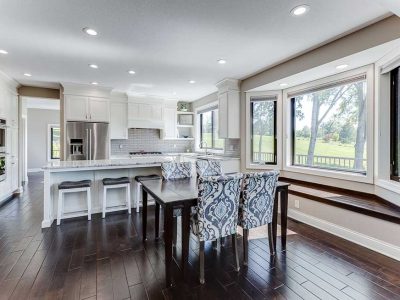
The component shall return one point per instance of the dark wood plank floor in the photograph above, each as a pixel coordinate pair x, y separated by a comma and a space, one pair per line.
105, 259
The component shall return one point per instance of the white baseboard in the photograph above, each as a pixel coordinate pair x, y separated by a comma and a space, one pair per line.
35, 170
350, 235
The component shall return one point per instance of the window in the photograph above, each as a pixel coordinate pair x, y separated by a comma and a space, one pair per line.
54, 142
329, 127
263, 130
209, 130
395, 125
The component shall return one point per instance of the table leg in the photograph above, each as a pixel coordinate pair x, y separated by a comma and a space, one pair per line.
157, 220
185, 238
168, 228
144, 214
284, 213
275, 219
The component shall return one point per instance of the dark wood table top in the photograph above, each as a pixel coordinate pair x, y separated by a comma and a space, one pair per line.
179, 190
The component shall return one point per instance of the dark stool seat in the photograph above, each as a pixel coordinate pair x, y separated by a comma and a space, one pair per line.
115, 181
74, 184
147, 177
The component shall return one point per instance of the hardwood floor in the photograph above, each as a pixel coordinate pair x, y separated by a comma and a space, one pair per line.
106, 259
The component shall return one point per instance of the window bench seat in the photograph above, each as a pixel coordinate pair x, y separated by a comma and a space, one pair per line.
359, 202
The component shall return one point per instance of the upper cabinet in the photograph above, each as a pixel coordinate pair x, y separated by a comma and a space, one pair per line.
170, 131
228, 109
81, 108
118, 120
145, 113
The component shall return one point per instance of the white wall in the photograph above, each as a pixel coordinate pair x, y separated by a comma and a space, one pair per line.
38, 121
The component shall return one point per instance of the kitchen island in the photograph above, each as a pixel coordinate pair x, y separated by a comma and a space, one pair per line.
95, 170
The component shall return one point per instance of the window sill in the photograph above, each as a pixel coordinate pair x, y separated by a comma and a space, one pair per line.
389, 185
262, 167
330, 174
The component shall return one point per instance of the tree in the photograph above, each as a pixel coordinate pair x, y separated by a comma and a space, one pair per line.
263, 120
361, 127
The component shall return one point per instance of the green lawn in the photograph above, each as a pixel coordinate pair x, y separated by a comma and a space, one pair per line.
322, 148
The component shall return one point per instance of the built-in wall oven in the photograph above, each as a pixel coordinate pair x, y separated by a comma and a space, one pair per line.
3, 137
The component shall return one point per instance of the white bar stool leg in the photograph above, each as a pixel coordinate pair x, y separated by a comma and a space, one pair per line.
138, 196
89, 203
128, 197
59, 207
104, 201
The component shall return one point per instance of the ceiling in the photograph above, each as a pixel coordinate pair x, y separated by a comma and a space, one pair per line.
167, 43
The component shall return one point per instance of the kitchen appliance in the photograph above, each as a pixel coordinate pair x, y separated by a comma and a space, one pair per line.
3, 165
3, 135
145, 153
87, 141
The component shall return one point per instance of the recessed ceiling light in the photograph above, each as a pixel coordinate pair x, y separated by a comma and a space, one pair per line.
93, 66
283, 84
221, 61
27, 74
341, 67
3, 51
131, 72
300, 10
95, 83
192, 81
90, 31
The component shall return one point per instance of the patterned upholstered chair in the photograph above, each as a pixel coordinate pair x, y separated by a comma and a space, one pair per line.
216, 213
208, 167
256, 207
174, 170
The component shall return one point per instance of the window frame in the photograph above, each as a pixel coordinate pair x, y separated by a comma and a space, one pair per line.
394, 105
50, 142
278, 130
288, 142
213, 107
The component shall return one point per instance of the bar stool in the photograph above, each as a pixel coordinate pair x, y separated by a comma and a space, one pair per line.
138, 180
116, 183
73, 187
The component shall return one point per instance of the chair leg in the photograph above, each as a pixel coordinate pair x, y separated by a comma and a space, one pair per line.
245, 246
104, 202
222, 242
201, 261
59, 208
271, 239
235, 252
128, 197
215, 244
138, 196
89, 204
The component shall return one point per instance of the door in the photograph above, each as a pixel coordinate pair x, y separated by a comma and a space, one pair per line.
98, 141
170, 123
77, 141
118, 121
76, 108
98, 110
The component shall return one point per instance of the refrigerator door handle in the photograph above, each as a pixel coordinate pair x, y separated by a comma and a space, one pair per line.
87, 144
90, 141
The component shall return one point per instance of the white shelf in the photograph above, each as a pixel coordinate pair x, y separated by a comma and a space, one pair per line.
185, 113
185, 126
185, 139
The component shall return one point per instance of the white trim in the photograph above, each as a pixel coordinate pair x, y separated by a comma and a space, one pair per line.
249, 164
369, 178
350, 235
48, 138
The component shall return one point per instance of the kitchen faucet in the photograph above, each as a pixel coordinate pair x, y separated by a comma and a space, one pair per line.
202, 143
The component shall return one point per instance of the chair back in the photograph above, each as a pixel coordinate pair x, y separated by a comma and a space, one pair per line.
208, 167
217, 206
258, 199
174, 170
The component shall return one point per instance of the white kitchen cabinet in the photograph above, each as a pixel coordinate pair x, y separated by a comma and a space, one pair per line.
170, 131
14, 159
228, 109
118, 121
98, 110
81, 108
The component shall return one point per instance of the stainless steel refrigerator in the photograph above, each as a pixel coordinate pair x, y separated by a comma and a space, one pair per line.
87, 141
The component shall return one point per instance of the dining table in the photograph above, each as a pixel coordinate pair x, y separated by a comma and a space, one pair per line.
182, 194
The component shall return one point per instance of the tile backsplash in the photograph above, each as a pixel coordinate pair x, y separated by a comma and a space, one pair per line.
148, 140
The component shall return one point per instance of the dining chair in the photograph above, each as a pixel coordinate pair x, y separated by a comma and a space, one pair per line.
208, 167
256, 207
172, 171
216, 213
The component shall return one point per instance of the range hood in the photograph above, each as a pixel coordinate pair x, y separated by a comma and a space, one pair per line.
146, 124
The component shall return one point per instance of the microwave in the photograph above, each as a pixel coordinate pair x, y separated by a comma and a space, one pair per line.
3, 135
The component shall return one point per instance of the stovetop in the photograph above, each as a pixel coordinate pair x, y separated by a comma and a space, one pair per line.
144, 153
